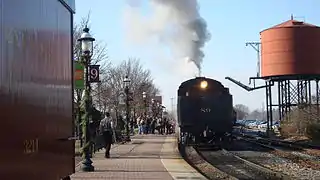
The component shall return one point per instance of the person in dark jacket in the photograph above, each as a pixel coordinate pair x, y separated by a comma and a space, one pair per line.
144, 126
106, 128
153, 125
148, 125
161, 126
168, 127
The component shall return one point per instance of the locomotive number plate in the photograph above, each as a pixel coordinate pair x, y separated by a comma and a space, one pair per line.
205, 110
31, 146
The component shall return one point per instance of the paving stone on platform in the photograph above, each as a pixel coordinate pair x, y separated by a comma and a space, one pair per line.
137, 160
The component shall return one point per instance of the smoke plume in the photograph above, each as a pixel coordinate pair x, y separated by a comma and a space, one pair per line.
175, 23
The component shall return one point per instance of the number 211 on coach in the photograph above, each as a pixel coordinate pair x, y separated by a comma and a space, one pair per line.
31, 146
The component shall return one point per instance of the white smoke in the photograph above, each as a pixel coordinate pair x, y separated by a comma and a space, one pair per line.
175, 23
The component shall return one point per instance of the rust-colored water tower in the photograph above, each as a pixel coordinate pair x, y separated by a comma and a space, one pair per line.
290, 58
290, 49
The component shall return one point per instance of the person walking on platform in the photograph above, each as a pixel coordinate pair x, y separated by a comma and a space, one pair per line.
168, 126
153, 125
161, 126
165, 130
139, 125
106, 128
148, 125
143, 126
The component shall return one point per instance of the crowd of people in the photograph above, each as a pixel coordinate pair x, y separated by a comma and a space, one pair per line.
150, 125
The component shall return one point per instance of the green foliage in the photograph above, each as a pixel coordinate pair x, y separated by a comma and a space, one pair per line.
93, 114
96, 115
86, 104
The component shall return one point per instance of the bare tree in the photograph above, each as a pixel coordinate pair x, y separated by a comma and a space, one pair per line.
172, 116
302, 121
113, 86
242, 111
255, 114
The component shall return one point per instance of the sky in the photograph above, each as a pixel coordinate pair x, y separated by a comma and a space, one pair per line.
231, 24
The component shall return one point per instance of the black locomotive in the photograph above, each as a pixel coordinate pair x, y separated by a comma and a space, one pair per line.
205, 112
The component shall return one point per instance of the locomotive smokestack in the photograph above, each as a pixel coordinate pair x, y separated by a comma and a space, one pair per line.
176, 23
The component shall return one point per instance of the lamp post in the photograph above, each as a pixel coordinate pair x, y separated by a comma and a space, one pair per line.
153, 108
86, 42
158, 109
144, 96
126, 82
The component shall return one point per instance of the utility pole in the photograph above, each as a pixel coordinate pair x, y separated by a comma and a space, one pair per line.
256, 46
99, 96
263, 112
128, 112
172, 106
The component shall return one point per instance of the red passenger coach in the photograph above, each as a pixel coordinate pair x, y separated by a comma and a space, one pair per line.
36, 89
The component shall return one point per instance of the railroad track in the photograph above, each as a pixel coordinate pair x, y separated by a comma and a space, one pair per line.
238, 168
277, 142
309, 151
230, 163
216, 163
246, 163
288, 151
272, 145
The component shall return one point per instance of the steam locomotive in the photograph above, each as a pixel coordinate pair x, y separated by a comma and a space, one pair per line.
205, 112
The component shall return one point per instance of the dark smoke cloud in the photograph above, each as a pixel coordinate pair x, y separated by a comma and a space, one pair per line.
176, 23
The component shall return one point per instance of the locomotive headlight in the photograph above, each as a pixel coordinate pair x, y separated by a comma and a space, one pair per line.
203, 84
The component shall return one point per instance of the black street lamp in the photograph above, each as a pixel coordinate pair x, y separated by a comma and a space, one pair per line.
86, 42
144, 96
163, 109
158, 109
126, 82
153, 107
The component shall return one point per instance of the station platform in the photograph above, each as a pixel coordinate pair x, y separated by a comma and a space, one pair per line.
145, 157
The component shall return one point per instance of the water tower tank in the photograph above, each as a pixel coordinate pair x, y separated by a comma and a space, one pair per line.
290, 49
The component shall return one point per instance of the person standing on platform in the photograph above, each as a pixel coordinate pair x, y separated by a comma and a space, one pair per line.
161, 126
153, 125
106, 128
148, 125
144, 126
139, 126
